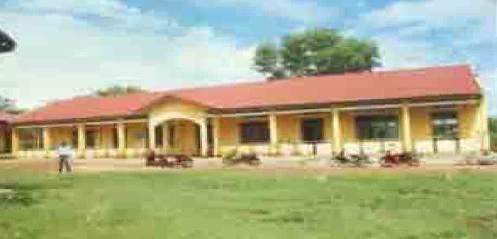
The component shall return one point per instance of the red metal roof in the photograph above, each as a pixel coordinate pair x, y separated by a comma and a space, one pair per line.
6, 118
351, 87
90, 107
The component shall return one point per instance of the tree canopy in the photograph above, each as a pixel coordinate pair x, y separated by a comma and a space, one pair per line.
492, 126
8, 105
315, 52
6, 43
116, 90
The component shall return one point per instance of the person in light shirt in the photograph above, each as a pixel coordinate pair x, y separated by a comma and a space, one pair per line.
65, 153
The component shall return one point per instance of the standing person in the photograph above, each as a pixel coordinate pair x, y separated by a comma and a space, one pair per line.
64, 152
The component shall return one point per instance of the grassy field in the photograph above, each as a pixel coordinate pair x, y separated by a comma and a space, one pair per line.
248, 204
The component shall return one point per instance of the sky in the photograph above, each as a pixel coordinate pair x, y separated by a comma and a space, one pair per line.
73, 47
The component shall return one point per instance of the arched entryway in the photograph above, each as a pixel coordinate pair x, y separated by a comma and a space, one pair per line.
179, 136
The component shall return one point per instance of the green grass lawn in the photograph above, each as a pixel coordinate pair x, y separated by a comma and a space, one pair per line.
236, 204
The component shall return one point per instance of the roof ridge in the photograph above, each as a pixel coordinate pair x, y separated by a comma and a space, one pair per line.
265, 81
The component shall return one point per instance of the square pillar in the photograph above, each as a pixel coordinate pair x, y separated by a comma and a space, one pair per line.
336, 131
121, 138
406, 129
215, 135
484, 132
15, 141
273, 129
47, 140
81, 139
151, 136
204, 141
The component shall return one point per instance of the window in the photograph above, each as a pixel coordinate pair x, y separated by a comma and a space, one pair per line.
377, 127
115, 138
445, 125
312, 130
158, 136
172, 134
254, 132
31, 139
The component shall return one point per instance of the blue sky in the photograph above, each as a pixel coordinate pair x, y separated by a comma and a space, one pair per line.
69, 47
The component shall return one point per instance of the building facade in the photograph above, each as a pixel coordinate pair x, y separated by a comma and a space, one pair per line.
430, 110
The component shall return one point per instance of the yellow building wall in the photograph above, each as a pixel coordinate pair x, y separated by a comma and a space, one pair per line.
61, 134
469, 123
176, 109
421, 124
136, 135
288, 127
186, 137
347, 124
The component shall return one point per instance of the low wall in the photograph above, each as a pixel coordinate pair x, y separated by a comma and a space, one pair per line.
285, 149
373, 147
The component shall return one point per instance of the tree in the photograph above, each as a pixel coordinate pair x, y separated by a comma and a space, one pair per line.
7, 104
492, 127
117, 90
315, 52
6, 43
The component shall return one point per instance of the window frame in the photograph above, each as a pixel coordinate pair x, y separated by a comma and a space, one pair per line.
262, 125
35, 140
445, 124
370, 120
310, 121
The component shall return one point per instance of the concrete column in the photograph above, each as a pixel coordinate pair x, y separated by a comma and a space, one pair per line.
215, 135
336, 131
47, 140
406, 128
81, 138
151, 136
273, 129
15, 141
204, 142
484, 132
121, 138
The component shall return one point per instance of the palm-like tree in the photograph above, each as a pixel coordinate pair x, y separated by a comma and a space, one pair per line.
6, 42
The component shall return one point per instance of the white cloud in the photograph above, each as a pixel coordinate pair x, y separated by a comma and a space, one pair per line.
489, 81
61, 54
302, 11
408, 29
433, 32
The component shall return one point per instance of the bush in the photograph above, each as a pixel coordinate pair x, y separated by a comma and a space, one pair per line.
493, 142
492, 126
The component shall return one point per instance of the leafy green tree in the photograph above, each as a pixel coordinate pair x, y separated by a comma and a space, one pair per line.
492, 126
7, 104
6, 42
118, 90
315, 52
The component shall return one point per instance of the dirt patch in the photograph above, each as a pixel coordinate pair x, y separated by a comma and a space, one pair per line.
102, 165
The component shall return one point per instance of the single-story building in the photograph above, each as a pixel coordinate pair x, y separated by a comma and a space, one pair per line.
6, 119
429, 110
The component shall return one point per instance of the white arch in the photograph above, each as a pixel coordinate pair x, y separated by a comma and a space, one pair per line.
159, 119
198, 119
